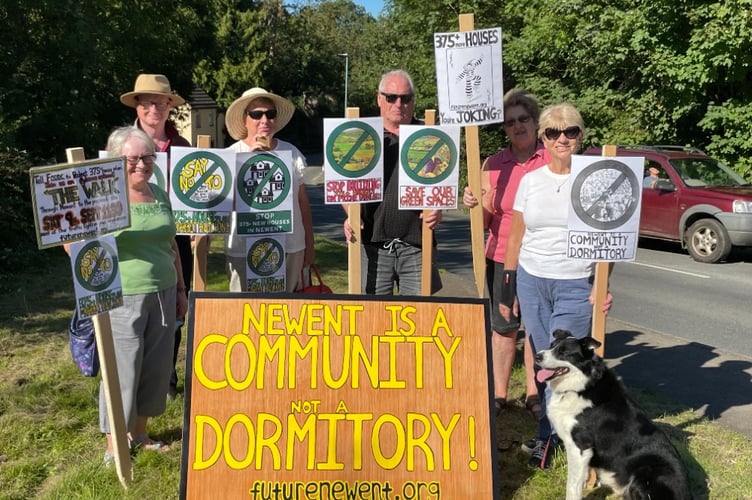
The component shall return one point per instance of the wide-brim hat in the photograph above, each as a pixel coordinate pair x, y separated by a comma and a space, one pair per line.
235, 116
151, 84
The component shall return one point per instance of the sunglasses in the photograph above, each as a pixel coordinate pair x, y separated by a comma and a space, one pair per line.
147, 159
522, 119
554, 133
256, 114
392, 98
161, 106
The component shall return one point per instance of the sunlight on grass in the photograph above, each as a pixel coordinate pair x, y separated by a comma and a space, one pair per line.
51, 447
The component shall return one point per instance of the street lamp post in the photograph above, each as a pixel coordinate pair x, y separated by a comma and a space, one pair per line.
347, 68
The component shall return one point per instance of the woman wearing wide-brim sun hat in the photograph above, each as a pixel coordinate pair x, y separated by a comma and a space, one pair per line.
253, 119
236, 117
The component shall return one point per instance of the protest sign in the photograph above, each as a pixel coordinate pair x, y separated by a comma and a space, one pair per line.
469, 77
337, 397
604, 215
96, 279
429, 167
76, 201
201, 189
264, 192
353, 162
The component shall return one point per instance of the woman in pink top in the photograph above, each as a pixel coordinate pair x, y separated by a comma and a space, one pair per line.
500, 177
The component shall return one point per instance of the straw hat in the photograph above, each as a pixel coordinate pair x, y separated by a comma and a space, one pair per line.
151, 84
235, 117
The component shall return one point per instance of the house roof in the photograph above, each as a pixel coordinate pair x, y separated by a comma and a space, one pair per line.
200, 99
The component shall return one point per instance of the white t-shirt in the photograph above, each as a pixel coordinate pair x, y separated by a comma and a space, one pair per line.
295, 241
543, 198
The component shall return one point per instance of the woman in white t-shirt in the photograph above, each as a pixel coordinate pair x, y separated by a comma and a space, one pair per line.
252, 120
551, 291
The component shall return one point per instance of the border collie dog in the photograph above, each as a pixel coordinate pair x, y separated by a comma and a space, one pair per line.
603, 429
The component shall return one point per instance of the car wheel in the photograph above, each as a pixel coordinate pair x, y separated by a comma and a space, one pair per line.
708, 241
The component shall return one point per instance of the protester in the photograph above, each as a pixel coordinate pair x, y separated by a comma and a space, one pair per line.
153, 295
252, 120
500, 177
392, 238
554, 292
153, 98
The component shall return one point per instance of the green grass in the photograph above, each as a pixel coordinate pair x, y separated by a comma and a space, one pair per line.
51, 448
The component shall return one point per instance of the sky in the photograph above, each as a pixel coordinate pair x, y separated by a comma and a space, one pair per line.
372, 6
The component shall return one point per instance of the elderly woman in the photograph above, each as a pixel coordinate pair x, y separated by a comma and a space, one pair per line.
153, 294
500, 177
554, 291
252, 120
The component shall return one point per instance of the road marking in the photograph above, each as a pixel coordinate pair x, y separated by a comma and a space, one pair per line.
672, 270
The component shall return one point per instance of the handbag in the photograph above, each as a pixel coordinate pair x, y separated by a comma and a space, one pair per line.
83, 345
308, 286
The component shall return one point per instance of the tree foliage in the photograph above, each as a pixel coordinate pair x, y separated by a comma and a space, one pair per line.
650, 71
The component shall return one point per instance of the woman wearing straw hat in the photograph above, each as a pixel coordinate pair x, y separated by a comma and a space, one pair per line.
252, 120
153, 98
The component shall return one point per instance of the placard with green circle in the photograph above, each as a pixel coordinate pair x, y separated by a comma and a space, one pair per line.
96, 266
263, 181
353, 149
201, 180
606, 194
159, 178
428, 156
266, 257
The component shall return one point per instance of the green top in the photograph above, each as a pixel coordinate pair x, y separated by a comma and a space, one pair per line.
147, 261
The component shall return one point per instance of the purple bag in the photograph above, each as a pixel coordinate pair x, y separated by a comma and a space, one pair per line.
83, 345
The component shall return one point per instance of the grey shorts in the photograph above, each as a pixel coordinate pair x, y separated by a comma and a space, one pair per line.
143, 331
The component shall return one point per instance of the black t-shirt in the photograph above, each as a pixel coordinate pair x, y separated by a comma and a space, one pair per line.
384, 221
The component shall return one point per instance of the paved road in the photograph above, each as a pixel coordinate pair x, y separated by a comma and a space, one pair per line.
715, 383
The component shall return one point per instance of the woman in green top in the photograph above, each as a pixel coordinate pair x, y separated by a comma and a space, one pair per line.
143, 328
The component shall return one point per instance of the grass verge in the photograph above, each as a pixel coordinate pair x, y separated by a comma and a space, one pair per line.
51, 448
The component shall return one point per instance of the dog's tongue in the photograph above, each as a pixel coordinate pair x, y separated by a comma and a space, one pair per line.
544, 374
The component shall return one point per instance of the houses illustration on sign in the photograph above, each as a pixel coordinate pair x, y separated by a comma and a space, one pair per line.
257, 174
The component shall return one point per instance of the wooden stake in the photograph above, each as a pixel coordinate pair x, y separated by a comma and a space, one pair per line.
354, 247
472, 147
110, 380
600, 289
201, 242
598, 327
427, 242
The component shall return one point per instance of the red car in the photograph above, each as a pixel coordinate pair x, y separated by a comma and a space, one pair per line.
694, 199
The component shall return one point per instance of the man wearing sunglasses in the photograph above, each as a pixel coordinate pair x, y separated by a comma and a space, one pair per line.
392, 238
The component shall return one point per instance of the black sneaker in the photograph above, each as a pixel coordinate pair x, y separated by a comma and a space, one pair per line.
529, 445
543, 453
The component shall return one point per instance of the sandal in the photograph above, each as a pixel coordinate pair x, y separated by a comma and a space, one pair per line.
534, 406
145, 442
500, 404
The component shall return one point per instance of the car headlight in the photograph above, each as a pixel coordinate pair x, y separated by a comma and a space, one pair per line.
742, 207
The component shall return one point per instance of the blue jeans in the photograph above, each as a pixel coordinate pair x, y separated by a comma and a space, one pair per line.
548, 305
395, 263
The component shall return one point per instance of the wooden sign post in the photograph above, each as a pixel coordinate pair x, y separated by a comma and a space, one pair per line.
201, 242
600, 288
110, 379
354, 246
472, 145
427, 242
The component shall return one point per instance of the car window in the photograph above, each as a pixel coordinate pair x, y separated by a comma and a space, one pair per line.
699, 172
